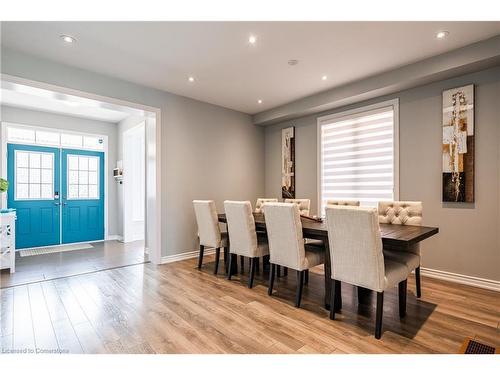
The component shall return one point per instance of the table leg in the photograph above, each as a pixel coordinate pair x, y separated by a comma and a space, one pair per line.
328, 284
328, 275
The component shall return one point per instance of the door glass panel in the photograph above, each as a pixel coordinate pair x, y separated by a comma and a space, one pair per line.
32, 170
22, 175
83, 184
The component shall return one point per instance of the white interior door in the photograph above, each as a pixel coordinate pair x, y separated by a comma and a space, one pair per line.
134, 183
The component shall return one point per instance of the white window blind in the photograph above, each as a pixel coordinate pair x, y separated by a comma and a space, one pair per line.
357, 156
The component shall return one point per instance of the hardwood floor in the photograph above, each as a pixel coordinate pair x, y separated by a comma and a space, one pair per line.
175, 308
103, 255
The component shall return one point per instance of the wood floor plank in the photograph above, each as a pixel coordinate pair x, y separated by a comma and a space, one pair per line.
23, 334
45, 337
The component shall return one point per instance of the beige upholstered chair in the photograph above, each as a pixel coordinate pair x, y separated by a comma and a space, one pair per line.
303, 204
242, 235
260, 203
209, 231
286, 244
403, 213
358, 259
335, 202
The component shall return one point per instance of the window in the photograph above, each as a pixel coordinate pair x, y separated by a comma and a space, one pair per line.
52, 137
83, 177
358, 155
34, 175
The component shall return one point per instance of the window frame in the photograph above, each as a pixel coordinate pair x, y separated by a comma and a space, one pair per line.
324, 120
98, 171
16, 198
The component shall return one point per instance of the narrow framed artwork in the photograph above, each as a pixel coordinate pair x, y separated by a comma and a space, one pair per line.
458, 144
288, 162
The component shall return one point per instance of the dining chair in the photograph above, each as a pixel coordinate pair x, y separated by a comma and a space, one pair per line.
260, 203
357, 257
286, 244
336, 202
403, 213
303, 204
208, 231
243, 237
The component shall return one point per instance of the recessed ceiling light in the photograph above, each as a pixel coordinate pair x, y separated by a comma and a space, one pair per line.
191, 79
252, 39
442, 34
68, 39
324, 78
259, 101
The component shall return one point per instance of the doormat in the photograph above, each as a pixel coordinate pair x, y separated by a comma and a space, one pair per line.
54, 249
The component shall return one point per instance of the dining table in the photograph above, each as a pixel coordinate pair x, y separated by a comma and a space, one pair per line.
394, 237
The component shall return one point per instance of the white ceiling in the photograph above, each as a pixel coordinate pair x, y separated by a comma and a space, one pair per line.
228, 70
21, 96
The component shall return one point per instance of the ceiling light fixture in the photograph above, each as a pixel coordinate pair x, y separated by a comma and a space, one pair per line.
191, 79
252, 39
324, 78
259, 101
442, 34
68, 39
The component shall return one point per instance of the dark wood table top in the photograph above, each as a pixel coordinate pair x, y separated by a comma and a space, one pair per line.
401, 236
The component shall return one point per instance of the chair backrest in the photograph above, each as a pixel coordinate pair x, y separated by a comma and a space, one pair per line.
335, 202
241, 228
303, 204
401, 213
260, 203
284, 234
208, 223
355, 246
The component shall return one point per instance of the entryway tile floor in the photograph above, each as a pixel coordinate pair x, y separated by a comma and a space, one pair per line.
104, 255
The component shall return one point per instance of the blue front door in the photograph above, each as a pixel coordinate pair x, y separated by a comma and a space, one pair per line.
82, 195
33, 172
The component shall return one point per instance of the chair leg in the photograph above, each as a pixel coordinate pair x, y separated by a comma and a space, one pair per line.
226, 258
285, 271
402, 298
257, 265
278, 271
253, 264
200, 257
417, 281
332, 299
217, 257
242, 265
229, 267
272, 271
300, 285
337, 302
380, 310
306, 277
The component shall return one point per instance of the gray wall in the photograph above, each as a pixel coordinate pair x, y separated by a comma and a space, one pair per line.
207, 151
469, 238
51, 120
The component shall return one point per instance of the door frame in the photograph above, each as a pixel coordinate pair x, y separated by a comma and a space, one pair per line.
154, 235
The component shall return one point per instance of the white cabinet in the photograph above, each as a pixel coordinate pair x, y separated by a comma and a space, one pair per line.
8, 241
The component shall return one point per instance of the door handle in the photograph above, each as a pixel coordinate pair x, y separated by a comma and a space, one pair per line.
57, 204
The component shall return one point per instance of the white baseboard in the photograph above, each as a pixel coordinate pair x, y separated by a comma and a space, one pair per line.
184, 256
461, 279
114, 237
